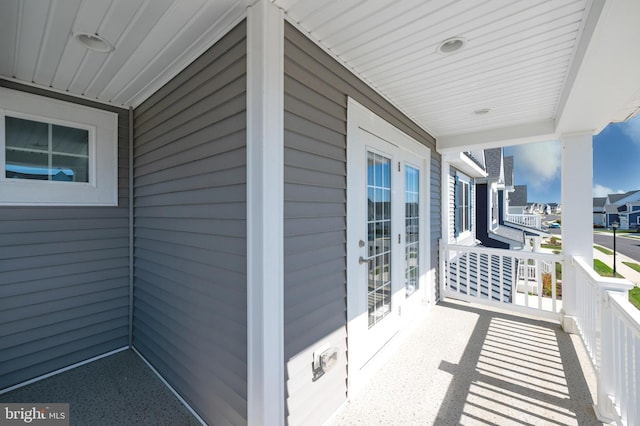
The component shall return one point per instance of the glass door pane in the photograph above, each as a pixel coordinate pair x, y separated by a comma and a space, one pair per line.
379, 236
412, 229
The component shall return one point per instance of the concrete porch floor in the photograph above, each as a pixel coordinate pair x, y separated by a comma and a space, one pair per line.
470, 365
462, 365
116, 390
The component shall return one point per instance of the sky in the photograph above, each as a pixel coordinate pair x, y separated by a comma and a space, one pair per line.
616, 163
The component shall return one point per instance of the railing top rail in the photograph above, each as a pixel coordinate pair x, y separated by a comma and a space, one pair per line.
605, 283
627, 311
503, 252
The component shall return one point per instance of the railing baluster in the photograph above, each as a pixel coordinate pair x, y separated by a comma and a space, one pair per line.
468, 273
629, 376
620, 357
490, 276
479, 277
501, 277
553, 287
636, 387
539, 282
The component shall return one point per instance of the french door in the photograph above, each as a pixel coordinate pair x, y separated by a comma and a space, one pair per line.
386, 241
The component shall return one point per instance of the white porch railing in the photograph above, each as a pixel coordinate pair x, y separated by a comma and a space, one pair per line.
528, 220
610, 329
531, 283
523, 281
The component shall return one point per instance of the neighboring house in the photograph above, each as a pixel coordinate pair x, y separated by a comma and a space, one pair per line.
615, 204
518, 201
257, 205
468, 180
611, 213
461, 171
599, 211
630, 215
554, 208
492, 231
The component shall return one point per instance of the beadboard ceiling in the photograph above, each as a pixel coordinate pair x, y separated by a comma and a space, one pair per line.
532, 64
153, 40
515, 62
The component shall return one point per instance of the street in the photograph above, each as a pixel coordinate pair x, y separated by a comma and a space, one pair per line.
548, 219
628, 246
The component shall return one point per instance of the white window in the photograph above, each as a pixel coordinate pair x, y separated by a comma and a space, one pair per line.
494, 207
463, 207
56, 153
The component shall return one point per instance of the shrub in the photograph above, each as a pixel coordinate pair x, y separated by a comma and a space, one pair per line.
546, 286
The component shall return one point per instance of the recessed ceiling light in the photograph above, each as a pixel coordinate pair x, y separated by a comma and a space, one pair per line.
94, 42
451, 45
482, 111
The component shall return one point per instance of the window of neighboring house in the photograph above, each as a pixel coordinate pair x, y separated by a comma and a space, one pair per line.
56, 153
494, 207
463, 206
638, 220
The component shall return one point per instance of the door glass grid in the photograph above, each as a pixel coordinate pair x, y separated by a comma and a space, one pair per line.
379, 236
412, 229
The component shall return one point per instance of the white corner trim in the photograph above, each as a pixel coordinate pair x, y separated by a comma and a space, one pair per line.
265, 214
173, 391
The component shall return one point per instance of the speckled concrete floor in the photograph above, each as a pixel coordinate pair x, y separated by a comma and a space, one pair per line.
116, 390
467, 365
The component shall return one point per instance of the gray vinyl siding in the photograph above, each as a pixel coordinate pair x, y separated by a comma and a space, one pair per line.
315, 121
190, 232
452, 203
435, 207
64, 275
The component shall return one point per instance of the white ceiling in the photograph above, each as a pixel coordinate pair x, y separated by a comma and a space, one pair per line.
515, 61
536, 64
152, 38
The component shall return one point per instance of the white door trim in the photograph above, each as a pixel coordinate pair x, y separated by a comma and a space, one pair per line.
265, 214
361, 119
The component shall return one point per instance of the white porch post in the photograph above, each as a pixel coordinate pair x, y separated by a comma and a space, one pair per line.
444, 219
265, 223
577, 226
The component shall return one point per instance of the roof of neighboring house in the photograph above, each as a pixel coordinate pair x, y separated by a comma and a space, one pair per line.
513, 234
519, 196
611, 208
508, 171
614, 198
493, 161
599, 202
472, 156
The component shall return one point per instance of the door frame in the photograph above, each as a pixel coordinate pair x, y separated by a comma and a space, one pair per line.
360, 119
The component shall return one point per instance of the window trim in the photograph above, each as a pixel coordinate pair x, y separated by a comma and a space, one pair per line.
461, 232
102, 188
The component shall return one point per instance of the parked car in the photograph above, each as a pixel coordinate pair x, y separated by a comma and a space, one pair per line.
554, 225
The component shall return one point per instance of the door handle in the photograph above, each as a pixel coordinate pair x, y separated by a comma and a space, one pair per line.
363, 260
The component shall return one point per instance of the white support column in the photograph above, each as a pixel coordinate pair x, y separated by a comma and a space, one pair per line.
577, 218
265, 218
444, 220
444, 202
